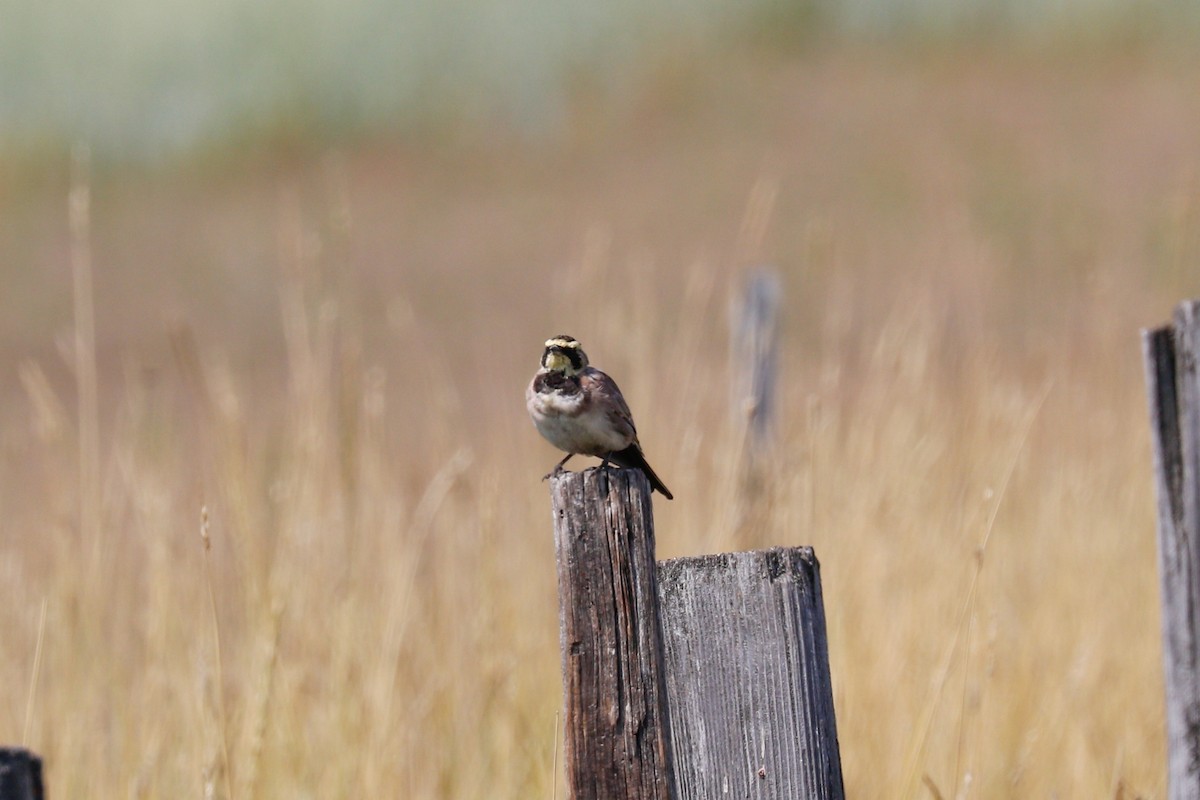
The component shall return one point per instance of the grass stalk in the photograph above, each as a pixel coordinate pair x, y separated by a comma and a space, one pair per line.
966, 617
222, 722
35, 674
84, 350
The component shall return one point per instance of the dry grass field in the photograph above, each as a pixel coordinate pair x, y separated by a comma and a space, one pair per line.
328, 351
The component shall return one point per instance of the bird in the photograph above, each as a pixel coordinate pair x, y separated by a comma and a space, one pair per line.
580, 410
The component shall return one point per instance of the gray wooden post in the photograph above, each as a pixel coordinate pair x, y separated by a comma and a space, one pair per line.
748, 680
615, 723
689, 679
1173, 386
20, 775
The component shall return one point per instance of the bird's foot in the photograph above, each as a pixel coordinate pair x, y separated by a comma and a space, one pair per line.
557, 468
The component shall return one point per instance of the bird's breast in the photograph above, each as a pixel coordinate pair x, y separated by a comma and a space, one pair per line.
572, 422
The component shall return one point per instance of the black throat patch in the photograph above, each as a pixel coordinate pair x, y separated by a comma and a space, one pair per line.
557, 382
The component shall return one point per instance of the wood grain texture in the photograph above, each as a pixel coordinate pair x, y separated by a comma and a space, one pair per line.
20, 775
748, 678
1170, 357
615, 725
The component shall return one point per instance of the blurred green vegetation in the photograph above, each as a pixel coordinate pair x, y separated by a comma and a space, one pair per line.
142, 80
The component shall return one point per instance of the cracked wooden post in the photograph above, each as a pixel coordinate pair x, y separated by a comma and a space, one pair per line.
616, 728
748, 679
1173, 388
20, 775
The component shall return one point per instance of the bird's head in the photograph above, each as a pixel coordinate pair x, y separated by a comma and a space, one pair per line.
564, 354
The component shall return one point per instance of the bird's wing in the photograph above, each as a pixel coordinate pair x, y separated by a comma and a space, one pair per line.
605, 394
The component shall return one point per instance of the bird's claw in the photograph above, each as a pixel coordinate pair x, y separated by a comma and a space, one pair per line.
557, 467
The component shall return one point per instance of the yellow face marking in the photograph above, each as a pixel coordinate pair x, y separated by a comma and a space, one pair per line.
556, 361
563, 354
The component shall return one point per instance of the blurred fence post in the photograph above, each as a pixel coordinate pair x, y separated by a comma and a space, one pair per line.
1173, 387
694, 678
754, 357
754, 378
20, 775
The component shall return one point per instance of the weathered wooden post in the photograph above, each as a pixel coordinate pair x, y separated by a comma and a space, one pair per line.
1173, 387
20, 775
748, 680
612, 653
688, 679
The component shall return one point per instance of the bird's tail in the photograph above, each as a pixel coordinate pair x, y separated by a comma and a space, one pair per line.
632, 457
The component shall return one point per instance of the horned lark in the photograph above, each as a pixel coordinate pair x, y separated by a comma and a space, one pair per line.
580, 410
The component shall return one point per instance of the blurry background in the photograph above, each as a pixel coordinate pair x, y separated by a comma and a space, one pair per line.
293, 263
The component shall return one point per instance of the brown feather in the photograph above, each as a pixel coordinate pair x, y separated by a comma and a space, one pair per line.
604, 392
633, 458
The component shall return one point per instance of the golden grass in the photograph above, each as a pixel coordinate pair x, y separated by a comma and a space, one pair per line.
967, 247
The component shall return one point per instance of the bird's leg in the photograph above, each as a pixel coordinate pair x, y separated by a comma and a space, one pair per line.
604, 462
557, 467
